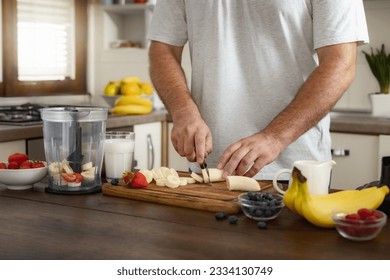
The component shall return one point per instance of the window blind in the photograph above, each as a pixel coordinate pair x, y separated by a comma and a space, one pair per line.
46, 39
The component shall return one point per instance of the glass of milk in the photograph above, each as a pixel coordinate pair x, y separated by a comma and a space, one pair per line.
118, 153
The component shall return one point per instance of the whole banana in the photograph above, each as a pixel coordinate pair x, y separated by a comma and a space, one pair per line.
133, 100
318, 209
131, 109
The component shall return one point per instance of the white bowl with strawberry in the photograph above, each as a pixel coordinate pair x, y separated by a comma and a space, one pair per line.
365, 224
20, 172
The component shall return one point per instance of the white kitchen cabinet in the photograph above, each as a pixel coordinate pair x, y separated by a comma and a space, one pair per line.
148, 145
7, 148
356, 158
384, 150
174, 159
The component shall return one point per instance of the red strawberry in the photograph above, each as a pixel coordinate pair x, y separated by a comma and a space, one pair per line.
17, 157
79, 177
139, 181
25, 165
69, 177
37, 164
13, 165
127, 177
3, 165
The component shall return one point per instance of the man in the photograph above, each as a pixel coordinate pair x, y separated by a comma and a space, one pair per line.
265, 75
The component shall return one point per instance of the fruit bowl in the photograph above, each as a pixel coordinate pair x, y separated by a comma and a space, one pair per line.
361, 226
22, 179
110, 100
261, 206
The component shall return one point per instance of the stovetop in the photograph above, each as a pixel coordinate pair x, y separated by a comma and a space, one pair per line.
21, 115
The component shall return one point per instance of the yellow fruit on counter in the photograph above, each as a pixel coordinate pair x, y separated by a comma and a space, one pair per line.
130, 89
111, 89
131, 79
147, 88
318, 209
133, 99
131, 109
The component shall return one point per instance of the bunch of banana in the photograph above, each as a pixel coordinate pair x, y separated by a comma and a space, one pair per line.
132, 105
318, 209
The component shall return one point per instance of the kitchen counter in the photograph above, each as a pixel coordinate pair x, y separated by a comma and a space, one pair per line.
11, 132
39, 225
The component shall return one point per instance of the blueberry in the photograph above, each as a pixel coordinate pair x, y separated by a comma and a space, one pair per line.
268, 213
258, 213
251, 195
221, 215
272, 203
269, 196
233, 219
115, 182
262, 225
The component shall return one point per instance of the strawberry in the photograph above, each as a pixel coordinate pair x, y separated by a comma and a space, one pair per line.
18, 158
25, 165
13, 165
69, 177
37, 164
139, 181
3, 165
79, 177
127, 177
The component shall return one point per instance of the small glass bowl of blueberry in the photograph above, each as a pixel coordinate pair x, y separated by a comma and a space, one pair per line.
261, 206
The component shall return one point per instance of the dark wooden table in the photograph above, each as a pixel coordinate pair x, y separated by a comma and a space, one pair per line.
38, 225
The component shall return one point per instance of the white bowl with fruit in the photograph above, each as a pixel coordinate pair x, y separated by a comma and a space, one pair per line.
21, 173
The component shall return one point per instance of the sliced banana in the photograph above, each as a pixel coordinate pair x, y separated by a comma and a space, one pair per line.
242, 183
215, 175
172, 181
88, 176
189, 180
87, 166
197, 177
74, 184
161, 182
183, 181
55, 168
205, 176
157, 174
66, 167
174, 172
148, 175
165, 171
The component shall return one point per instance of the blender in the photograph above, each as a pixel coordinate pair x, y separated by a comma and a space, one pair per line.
74, 148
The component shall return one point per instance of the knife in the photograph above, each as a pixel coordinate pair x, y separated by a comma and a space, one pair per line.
205, 173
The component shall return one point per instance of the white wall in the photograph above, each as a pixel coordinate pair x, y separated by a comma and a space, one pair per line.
378, 20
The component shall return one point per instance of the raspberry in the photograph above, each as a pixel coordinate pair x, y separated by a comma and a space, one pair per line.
364, 213
353, 216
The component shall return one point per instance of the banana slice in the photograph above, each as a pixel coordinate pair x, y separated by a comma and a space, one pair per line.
157, 174
183, 181
165, 171
87, 166
174, 172
242, 183
55, 168
161, 182
172, 181
88, 176
197, 177
215, 175
188, 179
148, 175
205, 176
74, 184
66, 167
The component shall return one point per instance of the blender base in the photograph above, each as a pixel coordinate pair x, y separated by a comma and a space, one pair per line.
87, 191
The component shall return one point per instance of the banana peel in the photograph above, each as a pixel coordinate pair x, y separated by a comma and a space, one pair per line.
318, 209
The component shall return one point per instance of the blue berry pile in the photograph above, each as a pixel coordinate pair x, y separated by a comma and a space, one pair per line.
261, 205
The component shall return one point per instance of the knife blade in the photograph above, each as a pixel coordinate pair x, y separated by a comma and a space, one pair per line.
205, 173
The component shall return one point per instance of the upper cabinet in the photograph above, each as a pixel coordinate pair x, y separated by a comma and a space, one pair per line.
126, 26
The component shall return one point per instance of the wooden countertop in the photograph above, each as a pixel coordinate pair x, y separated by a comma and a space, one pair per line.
39, 225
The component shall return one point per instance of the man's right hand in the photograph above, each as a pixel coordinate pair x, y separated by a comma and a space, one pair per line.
191, 137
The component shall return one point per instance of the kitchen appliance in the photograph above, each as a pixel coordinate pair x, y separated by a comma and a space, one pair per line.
74, 146
21, 115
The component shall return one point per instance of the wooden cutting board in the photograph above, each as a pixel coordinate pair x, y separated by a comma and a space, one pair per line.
212, 198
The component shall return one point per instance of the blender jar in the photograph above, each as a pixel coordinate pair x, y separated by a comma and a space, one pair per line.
74, 147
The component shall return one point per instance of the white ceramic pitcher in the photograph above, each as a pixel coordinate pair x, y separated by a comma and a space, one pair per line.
317, 173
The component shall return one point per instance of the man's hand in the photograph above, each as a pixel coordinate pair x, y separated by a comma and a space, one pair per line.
192, 138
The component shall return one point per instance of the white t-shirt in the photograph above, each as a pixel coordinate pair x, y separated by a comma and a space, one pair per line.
250, 57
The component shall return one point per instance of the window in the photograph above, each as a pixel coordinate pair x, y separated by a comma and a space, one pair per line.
44, 47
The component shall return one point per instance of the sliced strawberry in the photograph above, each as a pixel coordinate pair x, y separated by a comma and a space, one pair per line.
69, 177
139, 181
79, 177
25, 165
3, 165
17, 157
37, 164
13, 165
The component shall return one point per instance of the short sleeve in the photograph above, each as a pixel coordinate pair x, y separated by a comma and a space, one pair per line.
336, 22
169, 23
